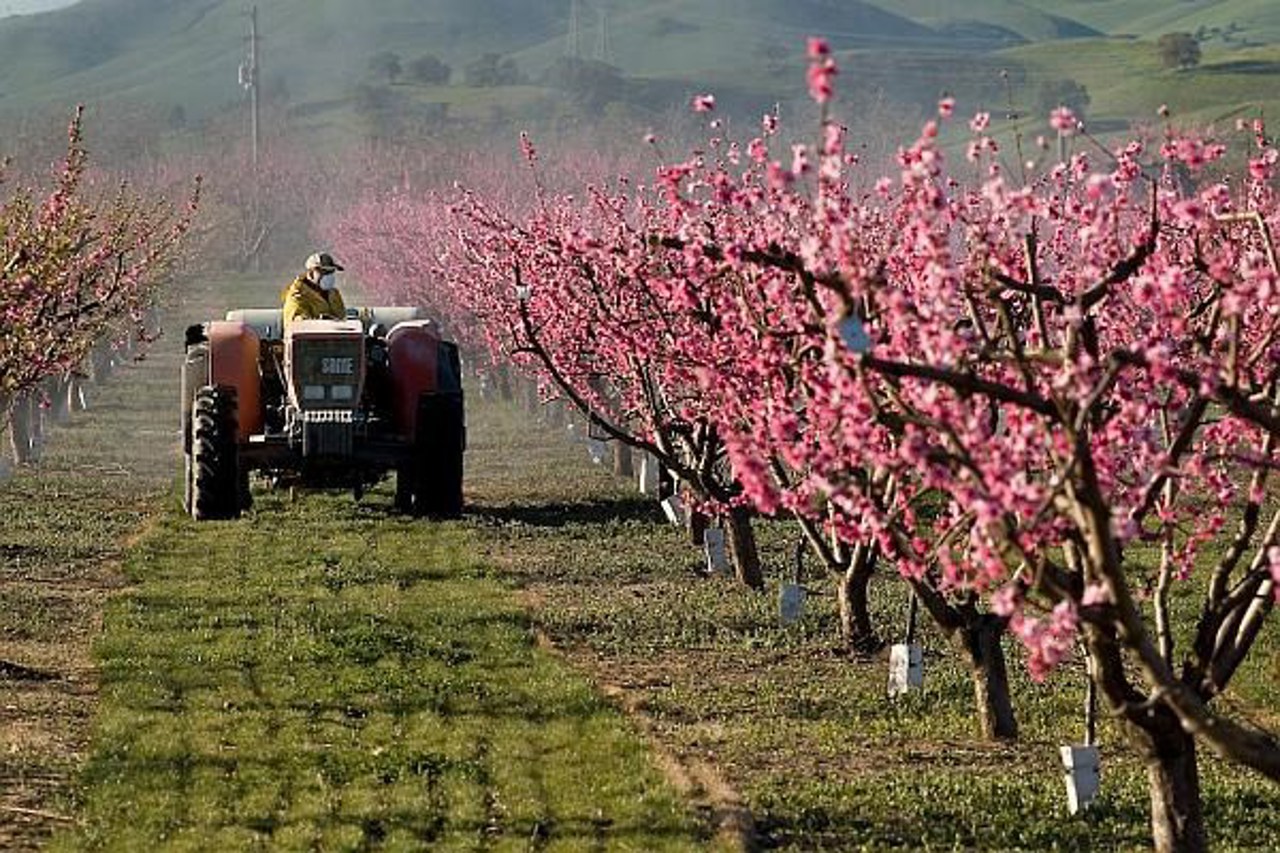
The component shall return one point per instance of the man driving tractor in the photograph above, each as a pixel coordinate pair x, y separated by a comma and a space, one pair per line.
314, 294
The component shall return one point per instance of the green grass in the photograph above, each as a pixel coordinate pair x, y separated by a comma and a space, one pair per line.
325, 675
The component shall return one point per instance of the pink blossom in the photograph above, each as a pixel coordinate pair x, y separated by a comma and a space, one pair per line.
799, 159
821, 76
818, 48
1095, 594
946, 107
1063, 120
704, 103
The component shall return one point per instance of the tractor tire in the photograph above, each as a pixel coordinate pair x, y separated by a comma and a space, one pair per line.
216, 480
436, 474
187, 476
404, 489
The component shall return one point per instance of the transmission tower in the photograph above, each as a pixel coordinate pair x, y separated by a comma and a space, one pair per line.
573, 48
249, 77
604, 44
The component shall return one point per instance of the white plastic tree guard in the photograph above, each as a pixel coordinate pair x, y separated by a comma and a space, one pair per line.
1082, 762
906, 669
1083, 776
648, 475
713, 547
791, 599
673, 509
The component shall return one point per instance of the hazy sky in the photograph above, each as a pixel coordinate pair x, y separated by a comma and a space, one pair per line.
26, 7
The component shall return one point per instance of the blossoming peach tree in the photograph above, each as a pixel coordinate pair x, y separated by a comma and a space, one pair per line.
1048, 395
1076, 372
566, 290
77, 268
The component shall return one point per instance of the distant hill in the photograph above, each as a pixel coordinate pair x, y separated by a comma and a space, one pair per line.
183, 55
188, 50
1013, 18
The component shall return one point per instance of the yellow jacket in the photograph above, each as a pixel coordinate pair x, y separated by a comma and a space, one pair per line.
304, 301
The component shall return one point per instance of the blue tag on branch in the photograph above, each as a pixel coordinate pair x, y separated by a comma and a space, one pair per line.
854, 334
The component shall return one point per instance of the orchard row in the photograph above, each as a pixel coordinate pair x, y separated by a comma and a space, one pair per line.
1045, 390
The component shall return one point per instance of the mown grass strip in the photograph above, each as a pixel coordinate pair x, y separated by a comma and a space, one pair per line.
328, 676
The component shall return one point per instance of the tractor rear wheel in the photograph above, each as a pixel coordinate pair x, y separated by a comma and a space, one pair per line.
216, 480
187, 474
435, 475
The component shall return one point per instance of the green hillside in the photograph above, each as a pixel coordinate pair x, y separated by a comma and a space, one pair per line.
1260, 19
316, 54
188, 51
1014, 19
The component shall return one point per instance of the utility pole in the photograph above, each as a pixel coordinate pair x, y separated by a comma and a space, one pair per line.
574, 47
249, 80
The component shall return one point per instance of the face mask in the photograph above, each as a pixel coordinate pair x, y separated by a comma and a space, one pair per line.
328, 281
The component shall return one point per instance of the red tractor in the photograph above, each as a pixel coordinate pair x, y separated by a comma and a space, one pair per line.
322, 404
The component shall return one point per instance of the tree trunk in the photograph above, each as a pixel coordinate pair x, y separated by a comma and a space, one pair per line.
1177, 818
743, 555
100, 364
75, 394
34, 400
531, 403
502, 377
990, 677
20, 430
855, 613
623, 463
59, 392
5, 469
696, 524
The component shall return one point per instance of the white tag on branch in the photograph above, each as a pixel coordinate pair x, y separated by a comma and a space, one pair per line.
854, 334
791, 598
713, 546
1083, 776
523, 292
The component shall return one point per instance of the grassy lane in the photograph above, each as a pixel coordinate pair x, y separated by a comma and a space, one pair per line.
327, 676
